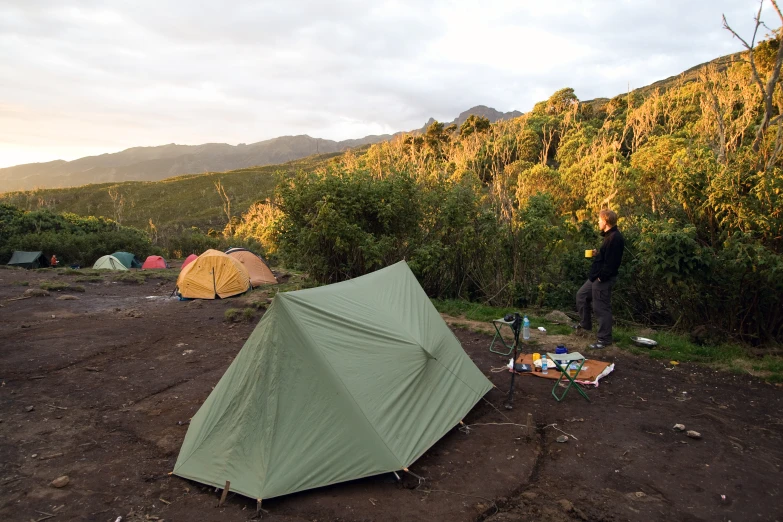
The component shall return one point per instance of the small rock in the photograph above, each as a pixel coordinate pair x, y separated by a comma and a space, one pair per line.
60, 482
29, 408
566, 504
67, 298
679, 427
693, 434
34, 455
640, 494
530, 495
562, 438
36, 292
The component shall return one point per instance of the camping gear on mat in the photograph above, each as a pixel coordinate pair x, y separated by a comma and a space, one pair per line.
260, 274
188, 260
335, 383
214, 274
127, 259
109, 263
591, 373
153, 262
28, 259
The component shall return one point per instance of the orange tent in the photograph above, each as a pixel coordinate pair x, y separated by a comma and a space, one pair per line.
213, 274
188, 260
154, 262
260, 274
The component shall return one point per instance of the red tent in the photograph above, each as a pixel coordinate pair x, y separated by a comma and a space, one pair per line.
154, 262
188, 260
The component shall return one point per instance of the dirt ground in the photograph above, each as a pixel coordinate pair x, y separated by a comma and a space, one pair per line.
100, 389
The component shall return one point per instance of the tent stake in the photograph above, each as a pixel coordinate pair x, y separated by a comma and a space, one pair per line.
396, 475
225, 492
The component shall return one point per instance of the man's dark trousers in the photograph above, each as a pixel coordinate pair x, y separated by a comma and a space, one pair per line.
599, 293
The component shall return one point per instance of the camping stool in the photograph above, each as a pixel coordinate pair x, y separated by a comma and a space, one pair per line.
498, 324
568, 358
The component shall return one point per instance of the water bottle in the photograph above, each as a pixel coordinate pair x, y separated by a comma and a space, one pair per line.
526, 328
543, 364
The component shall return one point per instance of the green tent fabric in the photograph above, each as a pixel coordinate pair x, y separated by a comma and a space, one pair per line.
109, 263
127, 259
335, 383
28, 259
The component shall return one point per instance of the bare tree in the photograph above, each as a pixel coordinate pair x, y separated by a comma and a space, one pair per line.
547, 136
767, 91
118, 203
225, 200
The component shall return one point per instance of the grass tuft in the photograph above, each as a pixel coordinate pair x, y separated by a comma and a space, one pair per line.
53, 286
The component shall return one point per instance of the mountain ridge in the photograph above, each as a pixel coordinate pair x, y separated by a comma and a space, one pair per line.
164, 161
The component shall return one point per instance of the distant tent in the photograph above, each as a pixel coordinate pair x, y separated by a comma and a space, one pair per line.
335, 383
153, 262
109, 263
188, 260
213, 274
29, 259
127, 259
260, 274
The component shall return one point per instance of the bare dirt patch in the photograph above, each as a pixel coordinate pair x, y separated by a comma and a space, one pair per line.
114, 377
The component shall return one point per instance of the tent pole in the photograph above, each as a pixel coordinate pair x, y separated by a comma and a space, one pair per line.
515, 327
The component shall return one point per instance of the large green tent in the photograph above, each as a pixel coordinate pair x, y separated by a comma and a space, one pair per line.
127, 259
109, 263
335, 383
28, 259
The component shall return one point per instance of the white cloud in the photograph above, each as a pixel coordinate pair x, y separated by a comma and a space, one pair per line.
82, 76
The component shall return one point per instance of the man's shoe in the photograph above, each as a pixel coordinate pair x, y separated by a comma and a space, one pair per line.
598, 346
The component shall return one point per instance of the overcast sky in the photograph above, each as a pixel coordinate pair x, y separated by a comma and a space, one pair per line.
85, 77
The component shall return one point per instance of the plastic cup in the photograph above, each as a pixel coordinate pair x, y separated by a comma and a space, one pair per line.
589, 253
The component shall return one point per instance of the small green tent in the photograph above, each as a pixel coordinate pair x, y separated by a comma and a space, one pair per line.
28, 259
109, 263
335, 383
127, 259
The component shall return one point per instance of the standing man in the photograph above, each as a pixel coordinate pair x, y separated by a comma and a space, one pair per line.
603, 275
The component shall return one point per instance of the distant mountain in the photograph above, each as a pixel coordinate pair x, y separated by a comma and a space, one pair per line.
479, 110
165, 161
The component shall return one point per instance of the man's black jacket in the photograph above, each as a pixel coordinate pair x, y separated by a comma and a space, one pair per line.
606, 263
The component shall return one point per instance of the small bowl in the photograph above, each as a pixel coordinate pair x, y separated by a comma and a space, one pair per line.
644, 342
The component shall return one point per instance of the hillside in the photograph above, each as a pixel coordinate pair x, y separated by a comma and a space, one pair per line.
165, 161
171, 204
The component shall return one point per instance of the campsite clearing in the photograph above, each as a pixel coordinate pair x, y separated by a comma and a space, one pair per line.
114, 377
